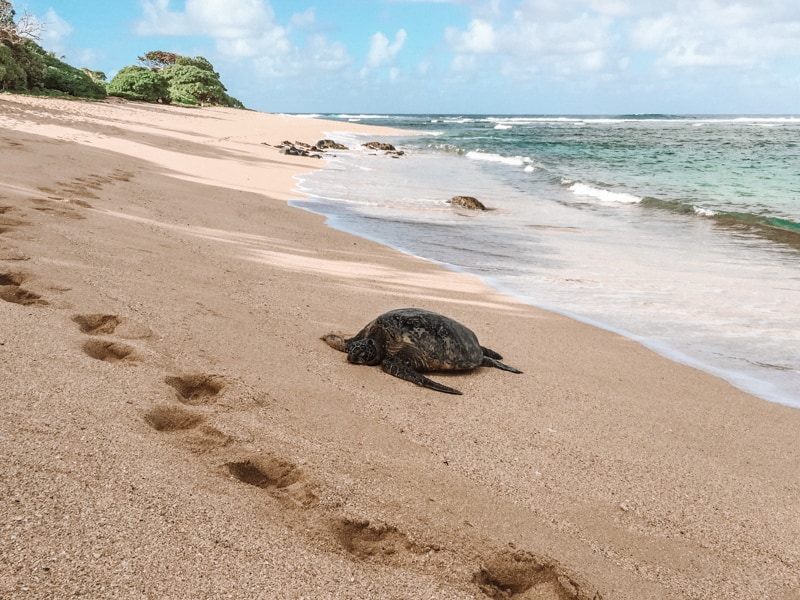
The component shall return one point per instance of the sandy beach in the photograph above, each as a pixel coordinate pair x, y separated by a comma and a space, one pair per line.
172, 426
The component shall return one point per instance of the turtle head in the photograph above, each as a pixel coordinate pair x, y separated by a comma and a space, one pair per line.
365, 352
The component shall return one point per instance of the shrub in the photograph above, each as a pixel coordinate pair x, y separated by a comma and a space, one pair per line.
65, 78
12, 75
193, 81
138, 83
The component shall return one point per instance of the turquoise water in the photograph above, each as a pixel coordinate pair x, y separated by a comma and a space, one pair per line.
680, 232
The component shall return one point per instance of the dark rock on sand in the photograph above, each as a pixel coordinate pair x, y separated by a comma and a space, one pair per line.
298, 149
327, 144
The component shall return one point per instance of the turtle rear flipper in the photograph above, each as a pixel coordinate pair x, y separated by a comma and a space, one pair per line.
491, 353
492, 362
400, 368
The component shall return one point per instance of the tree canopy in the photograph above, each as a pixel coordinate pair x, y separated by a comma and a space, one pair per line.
158, 59
26, 67
190, 81
193, 81
137, 83
161, 76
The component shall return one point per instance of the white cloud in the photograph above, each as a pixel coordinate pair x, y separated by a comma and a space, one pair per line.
479, 38
55, 32
382, 52
217, 18
715, 34
241, 28
303, 19
248, 29
574, 36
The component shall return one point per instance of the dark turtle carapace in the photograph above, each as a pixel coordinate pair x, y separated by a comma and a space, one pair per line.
408, 341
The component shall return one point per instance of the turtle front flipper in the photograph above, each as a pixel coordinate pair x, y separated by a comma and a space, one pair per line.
335, 341
400, 368
493, 362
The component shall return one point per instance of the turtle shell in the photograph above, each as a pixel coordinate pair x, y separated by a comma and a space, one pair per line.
427, 340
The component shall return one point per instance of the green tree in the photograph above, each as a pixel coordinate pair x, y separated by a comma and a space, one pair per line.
12, 75
61, 77
30, 56
26, 67
194, 81
158, 59
137, 83
96, 76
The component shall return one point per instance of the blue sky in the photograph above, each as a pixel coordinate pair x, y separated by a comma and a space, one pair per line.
456, 56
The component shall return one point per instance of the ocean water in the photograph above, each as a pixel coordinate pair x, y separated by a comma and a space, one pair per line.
682, 232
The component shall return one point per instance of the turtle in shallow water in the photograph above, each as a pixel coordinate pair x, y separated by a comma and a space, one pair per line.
408, 341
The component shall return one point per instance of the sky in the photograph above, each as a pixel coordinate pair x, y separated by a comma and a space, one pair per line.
456, 56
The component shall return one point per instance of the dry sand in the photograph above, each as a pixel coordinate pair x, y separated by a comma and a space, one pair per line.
171, 425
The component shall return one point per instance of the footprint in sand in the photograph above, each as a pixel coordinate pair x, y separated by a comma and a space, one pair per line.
283, 480
58, 206
102, 324
201, 437
368, 541
522, 576
111, 352
84, 187
14, 279
97, 324
196, 389
172, 418
10, 290
7, 223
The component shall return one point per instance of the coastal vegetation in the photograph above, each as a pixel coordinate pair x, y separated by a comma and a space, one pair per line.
164, 77
168, 77
26, 67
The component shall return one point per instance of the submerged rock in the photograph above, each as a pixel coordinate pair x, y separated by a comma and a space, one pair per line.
379, 146
467, 202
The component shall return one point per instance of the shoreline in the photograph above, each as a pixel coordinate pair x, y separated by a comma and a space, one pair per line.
737, 362
748, 384
172, 411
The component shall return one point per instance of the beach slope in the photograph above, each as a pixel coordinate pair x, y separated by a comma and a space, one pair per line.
172, 426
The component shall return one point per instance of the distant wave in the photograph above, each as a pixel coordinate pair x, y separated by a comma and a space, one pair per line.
514, 161
363, 116
651, 117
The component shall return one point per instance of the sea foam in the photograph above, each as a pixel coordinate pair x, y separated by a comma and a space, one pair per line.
703, 212
581, 189
514, 161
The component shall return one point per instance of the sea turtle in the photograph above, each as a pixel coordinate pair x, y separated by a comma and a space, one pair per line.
406, 341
